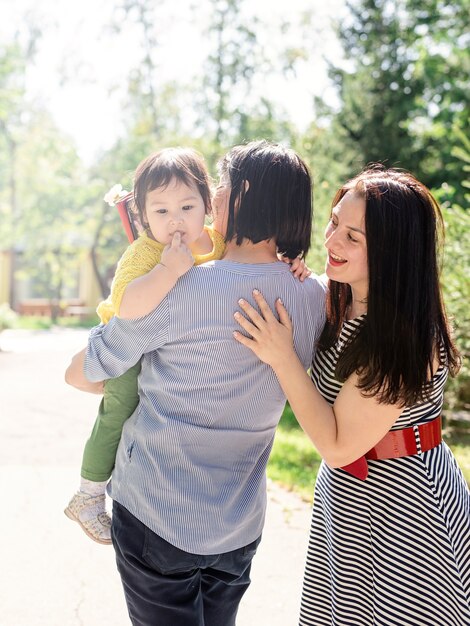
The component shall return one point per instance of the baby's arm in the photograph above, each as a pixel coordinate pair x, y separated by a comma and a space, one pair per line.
143, 294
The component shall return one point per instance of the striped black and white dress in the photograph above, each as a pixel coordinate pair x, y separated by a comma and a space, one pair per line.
393, 549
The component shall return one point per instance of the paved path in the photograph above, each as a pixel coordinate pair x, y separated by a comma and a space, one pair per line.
51, 574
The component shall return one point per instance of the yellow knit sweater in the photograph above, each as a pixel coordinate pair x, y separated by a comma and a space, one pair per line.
141, 257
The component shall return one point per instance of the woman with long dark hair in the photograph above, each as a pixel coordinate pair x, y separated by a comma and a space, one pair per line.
390, 534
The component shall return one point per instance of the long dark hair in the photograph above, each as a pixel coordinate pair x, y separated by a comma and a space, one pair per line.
406, 327
270, 198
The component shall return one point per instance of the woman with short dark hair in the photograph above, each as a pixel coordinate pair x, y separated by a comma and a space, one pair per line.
275, 207
390, 534
189, 485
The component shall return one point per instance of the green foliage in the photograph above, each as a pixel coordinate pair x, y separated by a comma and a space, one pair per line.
76, 322
51, 221
33, 322
457, 296
8, 317
36, 322
294, 462
231, 66
456, 284
404, 87
323, 155
376, 88
12, 108
459, 442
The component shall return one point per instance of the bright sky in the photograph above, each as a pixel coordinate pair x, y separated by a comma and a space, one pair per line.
79, 61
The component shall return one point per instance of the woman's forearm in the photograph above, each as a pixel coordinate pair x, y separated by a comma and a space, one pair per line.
75, 376
345, 431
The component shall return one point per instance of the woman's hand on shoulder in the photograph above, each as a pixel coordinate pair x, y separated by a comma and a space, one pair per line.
269, 338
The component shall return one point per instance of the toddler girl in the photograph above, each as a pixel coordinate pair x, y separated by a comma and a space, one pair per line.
172, 196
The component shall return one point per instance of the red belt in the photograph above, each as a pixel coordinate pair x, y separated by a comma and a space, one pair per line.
397, 443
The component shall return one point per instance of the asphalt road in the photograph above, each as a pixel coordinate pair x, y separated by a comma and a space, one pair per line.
51, 574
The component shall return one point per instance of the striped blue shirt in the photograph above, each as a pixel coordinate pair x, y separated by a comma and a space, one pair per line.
192, 458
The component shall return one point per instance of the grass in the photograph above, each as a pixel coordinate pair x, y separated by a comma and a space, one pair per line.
459, 443
35, 322
294, 462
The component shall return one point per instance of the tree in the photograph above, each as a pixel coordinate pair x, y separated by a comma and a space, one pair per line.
14, 109
402, 85
143, 83
55, 195
377, 88
12, 71
444, 65
455, 273
230, 66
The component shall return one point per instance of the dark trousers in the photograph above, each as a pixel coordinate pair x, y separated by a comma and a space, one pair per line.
165, 586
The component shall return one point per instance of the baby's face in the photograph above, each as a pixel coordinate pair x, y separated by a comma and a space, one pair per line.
176, 207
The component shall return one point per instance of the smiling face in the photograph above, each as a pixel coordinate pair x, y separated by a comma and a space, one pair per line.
345, 241
176, 207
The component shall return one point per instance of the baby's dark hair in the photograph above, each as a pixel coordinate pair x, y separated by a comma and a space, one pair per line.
158, 170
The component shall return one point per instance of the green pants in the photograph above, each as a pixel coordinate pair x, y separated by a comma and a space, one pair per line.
119, 401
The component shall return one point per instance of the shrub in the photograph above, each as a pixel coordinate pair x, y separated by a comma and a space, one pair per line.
8, 317
456, 287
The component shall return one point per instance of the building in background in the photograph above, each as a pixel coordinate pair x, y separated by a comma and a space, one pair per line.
27, 294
